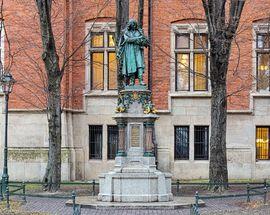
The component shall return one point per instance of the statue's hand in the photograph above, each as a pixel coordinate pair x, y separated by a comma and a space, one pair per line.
147, 42
129, 40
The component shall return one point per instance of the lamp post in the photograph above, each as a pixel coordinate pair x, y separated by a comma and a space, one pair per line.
7, 82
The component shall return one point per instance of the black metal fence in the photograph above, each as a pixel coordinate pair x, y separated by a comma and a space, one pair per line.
260, 190
76, 208
19, 189
12, 189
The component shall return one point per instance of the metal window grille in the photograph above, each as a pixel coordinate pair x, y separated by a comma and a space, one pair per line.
181, 147
262, 143
201, 142
112, 141
95, 141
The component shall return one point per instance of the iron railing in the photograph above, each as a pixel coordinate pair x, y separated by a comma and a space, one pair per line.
251, 191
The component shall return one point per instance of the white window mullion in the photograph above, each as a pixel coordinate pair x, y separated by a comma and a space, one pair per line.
209, 69
106, 63
191, 61
88, 62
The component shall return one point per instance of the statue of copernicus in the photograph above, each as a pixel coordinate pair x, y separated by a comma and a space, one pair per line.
131, 53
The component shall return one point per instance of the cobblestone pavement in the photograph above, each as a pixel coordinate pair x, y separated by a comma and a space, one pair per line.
213, 207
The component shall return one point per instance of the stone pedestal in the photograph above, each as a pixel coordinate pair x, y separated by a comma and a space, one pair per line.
135, 177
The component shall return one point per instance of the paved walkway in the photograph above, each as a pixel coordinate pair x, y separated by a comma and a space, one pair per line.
216, 207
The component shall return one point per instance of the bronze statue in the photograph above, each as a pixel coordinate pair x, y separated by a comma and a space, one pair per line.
130, 53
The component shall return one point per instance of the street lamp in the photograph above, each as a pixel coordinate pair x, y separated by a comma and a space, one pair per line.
7, 82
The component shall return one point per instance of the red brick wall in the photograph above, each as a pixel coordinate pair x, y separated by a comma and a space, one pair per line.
23, 31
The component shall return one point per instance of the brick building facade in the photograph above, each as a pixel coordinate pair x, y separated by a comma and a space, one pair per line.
180, 85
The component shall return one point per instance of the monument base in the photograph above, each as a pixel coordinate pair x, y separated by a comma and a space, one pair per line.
135, 177
138, 181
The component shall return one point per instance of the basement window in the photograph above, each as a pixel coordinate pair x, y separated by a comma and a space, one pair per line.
95, 141
262, 143
112, 141
201, 142
181, 142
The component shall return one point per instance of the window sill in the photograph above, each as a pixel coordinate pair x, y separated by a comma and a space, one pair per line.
181, 161
111, 93
263, 161
205, 94
191, 161
262, 94
95, 160
201, 161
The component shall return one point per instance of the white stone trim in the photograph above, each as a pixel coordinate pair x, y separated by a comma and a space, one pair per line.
200, 94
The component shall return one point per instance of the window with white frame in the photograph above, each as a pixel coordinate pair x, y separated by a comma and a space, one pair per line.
102, 67
263, 61
191, 58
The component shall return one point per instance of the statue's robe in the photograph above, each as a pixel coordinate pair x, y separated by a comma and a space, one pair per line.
132, 52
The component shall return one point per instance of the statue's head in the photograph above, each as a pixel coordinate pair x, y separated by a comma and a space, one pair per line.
132, 24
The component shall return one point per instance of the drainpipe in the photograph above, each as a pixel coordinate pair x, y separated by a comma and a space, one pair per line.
150, 36
150, 65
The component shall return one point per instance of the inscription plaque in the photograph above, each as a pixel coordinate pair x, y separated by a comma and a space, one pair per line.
135, 135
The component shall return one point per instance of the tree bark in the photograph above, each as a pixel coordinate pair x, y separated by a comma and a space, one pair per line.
219, 58
52, 177
122, 17
140, 13
218, 174
221, 30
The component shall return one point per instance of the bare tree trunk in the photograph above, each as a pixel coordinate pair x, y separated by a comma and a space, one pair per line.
218, 174
222, 31
52, 177
140, 13
122, 17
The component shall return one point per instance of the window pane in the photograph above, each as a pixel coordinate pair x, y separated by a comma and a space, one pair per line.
262, 143
181, 147
263, 72
95, 141
111, 40
263, 41
182, 41
200, 41
200, 72
97, 40
97, 64
182, 72
112, 141
201, 144
112, 71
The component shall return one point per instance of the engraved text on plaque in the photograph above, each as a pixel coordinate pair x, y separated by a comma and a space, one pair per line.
135, 136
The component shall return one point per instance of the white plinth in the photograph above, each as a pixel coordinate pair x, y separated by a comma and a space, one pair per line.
137, 181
